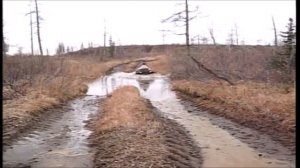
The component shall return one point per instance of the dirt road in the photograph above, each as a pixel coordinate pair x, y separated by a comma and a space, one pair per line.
61, 140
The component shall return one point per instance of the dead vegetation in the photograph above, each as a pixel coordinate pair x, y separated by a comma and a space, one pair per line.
160, 64
34, 84
265, 107
249, 63
128, 134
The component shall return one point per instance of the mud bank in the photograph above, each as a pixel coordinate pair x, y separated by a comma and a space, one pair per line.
19, 125
129, 134
263, 123
58, 141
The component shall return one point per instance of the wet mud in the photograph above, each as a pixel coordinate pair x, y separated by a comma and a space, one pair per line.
223, 143
62, 139
58, 141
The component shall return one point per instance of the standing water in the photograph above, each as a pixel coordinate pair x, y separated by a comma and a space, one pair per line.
60, 141
219, 146
64, 142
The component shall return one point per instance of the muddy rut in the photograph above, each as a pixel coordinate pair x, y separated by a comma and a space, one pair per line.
61, 140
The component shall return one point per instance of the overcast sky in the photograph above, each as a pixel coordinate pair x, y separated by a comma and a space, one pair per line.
138, 22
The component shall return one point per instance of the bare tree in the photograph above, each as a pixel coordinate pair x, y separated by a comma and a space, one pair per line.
60, 49
183, 16
38, 27
112, 47
230, 40
104, 38
187, 34
211, 32
31, 29
164, 35
236, 34
178, 17
275, 32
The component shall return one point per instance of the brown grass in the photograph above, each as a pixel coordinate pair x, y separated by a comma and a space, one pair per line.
124, 108
270, 108
160, 64
130, 129
45, 89
128, 134
278, 99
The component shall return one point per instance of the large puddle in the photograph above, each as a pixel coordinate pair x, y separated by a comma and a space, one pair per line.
63, 140
60, 141
223, 143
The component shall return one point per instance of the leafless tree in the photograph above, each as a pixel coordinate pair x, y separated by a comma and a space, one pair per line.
112, 47
31, 29
183, 16
275, 32
180, 17
38, 27
230, 40
211, 32
236, 34
164, 35
104, 38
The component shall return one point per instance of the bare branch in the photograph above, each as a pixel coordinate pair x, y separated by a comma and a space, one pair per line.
179, 34
175, 14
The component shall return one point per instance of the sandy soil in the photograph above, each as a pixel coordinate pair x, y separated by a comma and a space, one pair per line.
129, 134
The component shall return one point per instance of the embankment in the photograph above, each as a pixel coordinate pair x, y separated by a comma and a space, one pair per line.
269, 109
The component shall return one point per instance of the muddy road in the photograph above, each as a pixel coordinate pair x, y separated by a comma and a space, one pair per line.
61, 140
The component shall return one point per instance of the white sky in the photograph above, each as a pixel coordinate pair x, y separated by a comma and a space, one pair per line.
138, 22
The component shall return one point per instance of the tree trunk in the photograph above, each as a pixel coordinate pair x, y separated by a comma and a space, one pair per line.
236, 34
201, 66
31, 33
275, 32
187, 27
211, 32
38, 27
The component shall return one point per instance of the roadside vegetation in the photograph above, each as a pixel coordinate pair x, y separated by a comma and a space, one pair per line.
33, 84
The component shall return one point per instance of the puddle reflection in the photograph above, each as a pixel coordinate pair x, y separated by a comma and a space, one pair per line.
154, 87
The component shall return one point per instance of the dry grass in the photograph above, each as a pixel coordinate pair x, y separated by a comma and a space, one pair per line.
270, 108
160, 64
47, 91
63, 80
278, 99
124, 108
128, 134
